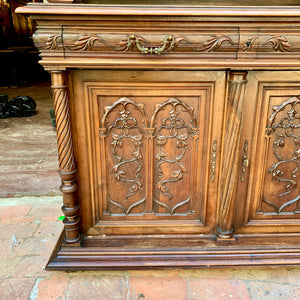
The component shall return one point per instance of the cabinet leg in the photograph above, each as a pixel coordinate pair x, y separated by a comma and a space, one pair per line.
67, 167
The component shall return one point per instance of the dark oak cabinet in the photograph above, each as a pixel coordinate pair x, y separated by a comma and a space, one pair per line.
178, 132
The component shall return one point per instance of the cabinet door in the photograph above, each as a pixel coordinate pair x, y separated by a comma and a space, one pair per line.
268, 198
144, 140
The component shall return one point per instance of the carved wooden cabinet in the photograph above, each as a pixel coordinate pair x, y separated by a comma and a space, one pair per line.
178, 132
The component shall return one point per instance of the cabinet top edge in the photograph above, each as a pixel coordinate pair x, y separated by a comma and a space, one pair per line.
159, 10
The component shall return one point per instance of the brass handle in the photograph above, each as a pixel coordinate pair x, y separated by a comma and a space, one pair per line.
213, 161
245, 161
167, 45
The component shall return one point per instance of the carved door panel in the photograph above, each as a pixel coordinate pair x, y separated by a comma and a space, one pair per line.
272, 145
149, 156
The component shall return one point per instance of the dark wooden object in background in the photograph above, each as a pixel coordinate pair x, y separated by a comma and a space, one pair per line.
183, 124
19, 57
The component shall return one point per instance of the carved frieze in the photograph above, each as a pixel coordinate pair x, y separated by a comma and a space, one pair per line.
231, 45
164, 43
137, 43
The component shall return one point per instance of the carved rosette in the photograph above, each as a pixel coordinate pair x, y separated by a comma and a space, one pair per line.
230, 159
67, 167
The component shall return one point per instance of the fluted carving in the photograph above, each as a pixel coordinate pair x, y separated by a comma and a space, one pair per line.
230, 159
67, 167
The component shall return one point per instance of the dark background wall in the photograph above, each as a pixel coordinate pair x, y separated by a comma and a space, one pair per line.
18, 56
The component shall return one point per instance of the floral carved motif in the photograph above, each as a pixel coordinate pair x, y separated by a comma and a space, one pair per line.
278, 43
126, 130
284, 131
173, 129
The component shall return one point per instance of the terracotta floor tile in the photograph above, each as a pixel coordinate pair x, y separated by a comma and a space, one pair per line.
16, 289
217, 289
98, 288
149, 288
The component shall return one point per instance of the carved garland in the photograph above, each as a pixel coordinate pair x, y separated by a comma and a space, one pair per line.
170, 43
132, 42
135, 42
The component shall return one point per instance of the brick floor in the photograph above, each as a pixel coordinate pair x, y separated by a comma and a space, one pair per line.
28, 147
28, 232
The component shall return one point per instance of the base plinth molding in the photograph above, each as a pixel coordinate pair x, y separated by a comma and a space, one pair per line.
94, 257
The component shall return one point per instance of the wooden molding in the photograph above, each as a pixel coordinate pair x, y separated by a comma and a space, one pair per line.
60, 1
156, 10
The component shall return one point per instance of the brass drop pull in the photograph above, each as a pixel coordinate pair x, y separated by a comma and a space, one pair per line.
245, 161
167, 45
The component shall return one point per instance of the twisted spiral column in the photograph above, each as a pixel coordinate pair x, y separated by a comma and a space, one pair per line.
67, 167
230, 158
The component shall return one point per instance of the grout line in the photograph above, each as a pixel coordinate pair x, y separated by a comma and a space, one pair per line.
189, 290
128, 286
35, 290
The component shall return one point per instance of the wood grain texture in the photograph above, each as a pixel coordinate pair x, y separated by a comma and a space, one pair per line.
67, 167
232, 137
89, 11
